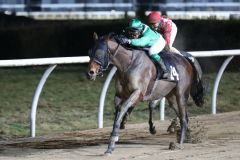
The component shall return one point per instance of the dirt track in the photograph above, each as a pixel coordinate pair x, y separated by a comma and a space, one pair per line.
220, 140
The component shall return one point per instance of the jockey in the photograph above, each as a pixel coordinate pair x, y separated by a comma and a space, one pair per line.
165, 27
168, 29
142, 35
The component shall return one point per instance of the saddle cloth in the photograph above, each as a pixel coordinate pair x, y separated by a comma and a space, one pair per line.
170, 65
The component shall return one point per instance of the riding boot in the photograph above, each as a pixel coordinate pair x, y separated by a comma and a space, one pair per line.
166, 74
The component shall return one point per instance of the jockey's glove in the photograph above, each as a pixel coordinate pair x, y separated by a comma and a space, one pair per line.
155, 57
125, 40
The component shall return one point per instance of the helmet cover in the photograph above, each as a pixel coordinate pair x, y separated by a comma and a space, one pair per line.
154, 17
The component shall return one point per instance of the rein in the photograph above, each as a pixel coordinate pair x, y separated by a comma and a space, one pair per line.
115, 52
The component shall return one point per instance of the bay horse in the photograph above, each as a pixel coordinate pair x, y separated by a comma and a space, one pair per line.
136, 81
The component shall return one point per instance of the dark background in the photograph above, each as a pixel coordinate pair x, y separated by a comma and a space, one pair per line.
22, 37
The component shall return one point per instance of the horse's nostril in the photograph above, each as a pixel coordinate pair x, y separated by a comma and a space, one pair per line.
91, 72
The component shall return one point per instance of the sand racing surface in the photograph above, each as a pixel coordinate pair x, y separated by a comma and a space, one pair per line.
213, 137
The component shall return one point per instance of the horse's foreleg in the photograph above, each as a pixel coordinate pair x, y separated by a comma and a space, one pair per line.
151, 106
119, 115
117, 102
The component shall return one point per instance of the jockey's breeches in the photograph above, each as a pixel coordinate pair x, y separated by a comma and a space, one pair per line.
157, 46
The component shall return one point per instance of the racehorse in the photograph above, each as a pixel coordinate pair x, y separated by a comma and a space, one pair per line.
136, 81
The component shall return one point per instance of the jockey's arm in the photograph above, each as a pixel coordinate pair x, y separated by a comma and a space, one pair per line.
167, 37
141, 42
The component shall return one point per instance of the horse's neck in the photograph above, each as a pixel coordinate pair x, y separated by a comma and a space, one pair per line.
119, 56
123, 59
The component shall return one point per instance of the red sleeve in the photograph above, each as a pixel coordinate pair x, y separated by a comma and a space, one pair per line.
167, 25
166, 28
166, 36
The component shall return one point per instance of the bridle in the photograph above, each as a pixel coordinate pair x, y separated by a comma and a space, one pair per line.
103, 56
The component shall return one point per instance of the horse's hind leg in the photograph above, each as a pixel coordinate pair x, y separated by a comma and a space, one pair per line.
183, 117
173, 104
151, 106
179, 105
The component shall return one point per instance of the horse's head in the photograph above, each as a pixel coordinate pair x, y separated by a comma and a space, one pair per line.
99, 57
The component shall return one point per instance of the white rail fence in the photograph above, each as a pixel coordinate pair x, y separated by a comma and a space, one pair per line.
53, 62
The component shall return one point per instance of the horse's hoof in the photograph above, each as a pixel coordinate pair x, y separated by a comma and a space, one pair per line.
172, 146
179, 146
152, 130
108, 153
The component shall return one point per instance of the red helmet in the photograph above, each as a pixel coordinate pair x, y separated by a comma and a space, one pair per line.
154, 17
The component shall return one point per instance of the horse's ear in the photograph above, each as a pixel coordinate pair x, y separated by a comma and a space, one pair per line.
95, 36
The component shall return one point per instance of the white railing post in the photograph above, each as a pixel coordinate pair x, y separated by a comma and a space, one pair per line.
162, 109
216, 83
36, 98
103, 95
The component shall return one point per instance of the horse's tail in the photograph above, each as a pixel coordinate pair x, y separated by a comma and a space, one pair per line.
197, 89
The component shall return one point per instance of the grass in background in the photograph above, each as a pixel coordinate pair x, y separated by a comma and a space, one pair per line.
69, 101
